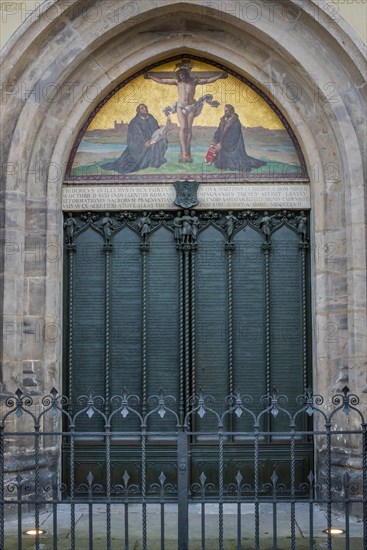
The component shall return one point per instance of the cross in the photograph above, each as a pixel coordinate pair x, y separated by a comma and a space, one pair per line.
200, 77
187, 107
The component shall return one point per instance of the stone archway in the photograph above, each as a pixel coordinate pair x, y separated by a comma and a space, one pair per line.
66, 58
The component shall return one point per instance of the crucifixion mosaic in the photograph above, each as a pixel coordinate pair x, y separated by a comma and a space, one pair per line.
186, 118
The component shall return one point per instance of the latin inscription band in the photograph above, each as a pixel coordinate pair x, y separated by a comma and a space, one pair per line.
159, 197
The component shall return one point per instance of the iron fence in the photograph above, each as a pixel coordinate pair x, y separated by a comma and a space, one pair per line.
33, 431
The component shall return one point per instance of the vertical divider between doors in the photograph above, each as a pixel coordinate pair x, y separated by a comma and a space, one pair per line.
303, 246
182, 332
144, 247
229, 248
186, 251
266, 249
192, 319
71, 250
108, 250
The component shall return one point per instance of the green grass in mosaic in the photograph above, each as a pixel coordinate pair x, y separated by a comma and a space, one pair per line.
198, 167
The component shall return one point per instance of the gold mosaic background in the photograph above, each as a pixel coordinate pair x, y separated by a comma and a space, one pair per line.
252, 109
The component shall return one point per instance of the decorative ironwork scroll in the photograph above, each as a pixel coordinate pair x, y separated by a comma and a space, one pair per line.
108, 489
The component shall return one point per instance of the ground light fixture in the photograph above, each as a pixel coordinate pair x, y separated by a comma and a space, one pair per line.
35, 532
333, 531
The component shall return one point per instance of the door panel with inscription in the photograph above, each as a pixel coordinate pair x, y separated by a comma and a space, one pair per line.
211, 301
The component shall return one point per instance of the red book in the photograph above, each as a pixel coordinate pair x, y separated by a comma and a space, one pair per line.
211, 154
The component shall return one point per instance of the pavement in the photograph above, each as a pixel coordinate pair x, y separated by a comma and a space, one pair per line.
170, 521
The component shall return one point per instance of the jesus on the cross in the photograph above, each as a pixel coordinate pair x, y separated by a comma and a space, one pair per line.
187, 106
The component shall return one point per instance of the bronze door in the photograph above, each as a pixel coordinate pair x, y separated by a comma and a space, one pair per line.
218, 305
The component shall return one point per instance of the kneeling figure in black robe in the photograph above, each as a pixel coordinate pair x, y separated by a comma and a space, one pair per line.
230, 146
140, 152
